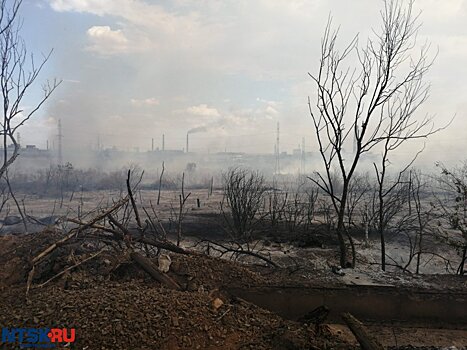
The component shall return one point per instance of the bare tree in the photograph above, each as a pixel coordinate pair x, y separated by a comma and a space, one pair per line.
182, 212
414, 219
389, 199
423, 216
312, 194
452, 210
295, 211
277, 200
358, 189
243, 193
369, 105
160, 184
18, 73
8, 14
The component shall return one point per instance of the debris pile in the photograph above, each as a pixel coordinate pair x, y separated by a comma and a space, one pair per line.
113, 303
130, 288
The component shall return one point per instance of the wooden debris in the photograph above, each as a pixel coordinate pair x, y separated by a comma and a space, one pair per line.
73, 233
71, 268
152, 270
365, 339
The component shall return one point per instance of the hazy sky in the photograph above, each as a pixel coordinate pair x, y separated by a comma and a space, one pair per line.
135, 69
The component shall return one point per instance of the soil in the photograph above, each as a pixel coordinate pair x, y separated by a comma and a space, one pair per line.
123, 308
137, 316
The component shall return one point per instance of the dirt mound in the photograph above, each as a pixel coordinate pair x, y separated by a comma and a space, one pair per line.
137, 316
113, 304
211, 273
192, 272
16, 252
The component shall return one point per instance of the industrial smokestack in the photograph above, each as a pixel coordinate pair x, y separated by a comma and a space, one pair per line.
163, 142
187, 139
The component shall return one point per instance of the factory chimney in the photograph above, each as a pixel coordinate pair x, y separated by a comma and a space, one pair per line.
187, 139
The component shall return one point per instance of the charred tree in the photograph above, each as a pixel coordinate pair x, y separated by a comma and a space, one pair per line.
18, 74
369, 105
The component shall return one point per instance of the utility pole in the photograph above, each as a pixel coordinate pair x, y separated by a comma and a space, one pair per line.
60, 136
278, 168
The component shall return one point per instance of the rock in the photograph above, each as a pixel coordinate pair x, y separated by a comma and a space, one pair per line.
217, 303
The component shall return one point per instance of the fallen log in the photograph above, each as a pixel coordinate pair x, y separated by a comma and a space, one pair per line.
149, 267
364, 338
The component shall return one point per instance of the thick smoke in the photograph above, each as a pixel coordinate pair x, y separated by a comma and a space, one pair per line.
198, 130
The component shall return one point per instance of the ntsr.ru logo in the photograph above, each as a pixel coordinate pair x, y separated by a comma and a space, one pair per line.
38, 337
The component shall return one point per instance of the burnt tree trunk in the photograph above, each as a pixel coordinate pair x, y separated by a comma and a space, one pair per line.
340, 226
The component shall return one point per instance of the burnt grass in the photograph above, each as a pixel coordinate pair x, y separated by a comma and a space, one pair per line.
212, 226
